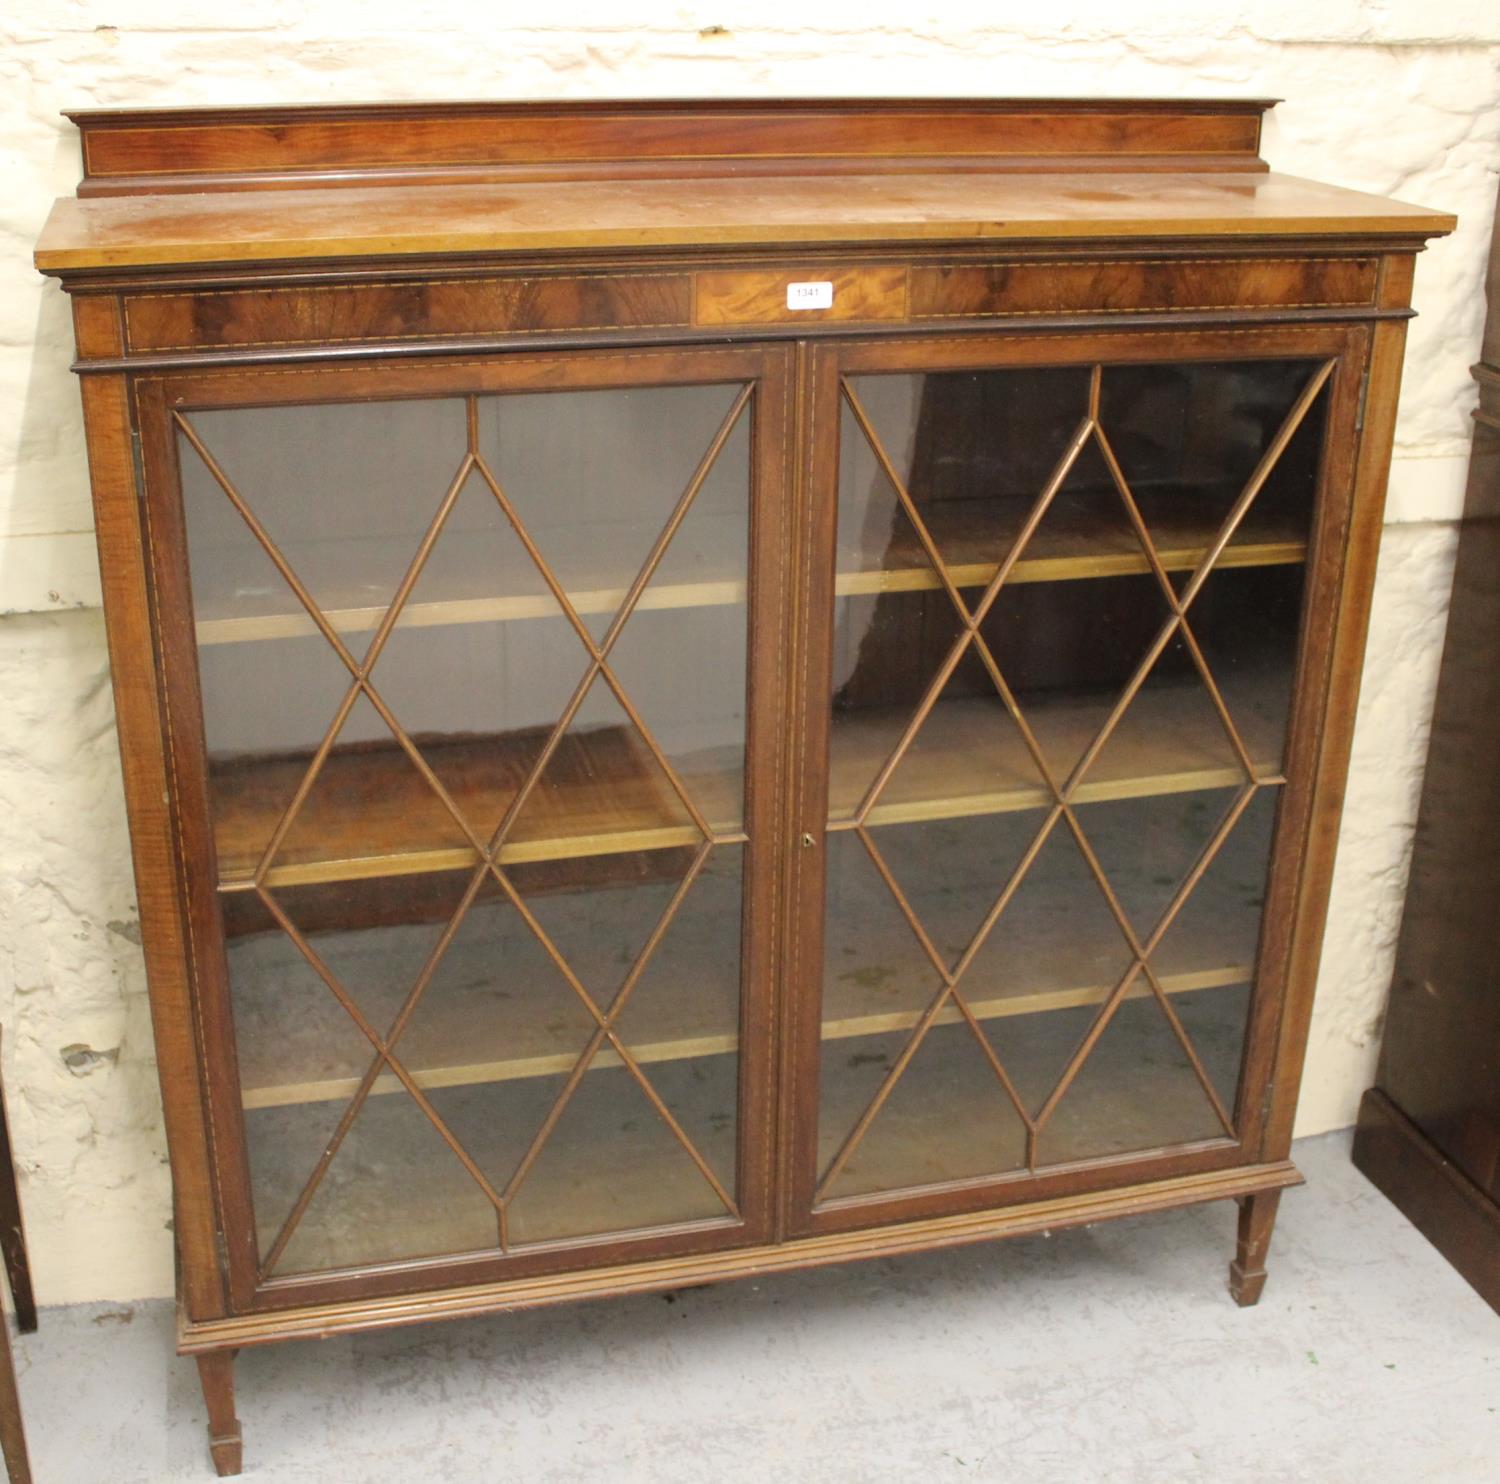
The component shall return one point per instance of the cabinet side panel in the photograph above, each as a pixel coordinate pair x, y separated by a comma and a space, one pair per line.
145, 763
1277, 967
1334, 728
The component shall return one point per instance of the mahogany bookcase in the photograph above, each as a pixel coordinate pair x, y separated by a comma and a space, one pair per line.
712, 687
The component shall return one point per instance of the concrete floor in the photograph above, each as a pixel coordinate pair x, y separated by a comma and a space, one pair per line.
1109, 1354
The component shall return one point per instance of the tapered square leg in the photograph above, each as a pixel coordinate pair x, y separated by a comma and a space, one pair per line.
216, 1372
1247, 1273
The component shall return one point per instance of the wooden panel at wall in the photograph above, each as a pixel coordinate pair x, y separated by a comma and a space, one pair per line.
227, 148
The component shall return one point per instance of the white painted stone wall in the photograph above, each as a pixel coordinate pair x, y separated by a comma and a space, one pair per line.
1395, 96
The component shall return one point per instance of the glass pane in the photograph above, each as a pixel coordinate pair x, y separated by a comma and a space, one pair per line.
973, 449
1134, 662
913, 1138
595, 476
613, 1162
1188, 438
475, 715
393, 1191
1135, 1090
300, 474
481, 610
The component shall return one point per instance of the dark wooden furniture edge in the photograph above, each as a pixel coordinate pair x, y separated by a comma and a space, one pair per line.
13, 1230
1488, 378
1431, 1191
317, 1322
18, 1274
1433, 1055
128, 151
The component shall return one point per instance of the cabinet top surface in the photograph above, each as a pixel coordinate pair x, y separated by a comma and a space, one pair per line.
304, 185
528, 217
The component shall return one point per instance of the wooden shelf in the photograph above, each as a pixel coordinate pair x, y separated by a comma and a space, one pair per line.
1069, 545
435, 614
970, 760
690, 1036
872, 987
372, 815
611, 1165
487, 580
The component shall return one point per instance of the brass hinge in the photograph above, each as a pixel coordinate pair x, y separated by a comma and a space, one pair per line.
222, 1243
1364, 396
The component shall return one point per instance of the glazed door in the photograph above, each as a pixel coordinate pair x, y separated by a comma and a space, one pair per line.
484, 977
1059, 587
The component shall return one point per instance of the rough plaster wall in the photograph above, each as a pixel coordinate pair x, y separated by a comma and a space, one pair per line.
1399, 97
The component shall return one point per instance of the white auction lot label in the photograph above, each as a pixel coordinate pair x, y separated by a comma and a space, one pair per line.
809, 296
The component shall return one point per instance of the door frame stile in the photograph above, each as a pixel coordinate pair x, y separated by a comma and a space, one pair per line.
768, 609
810, 723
